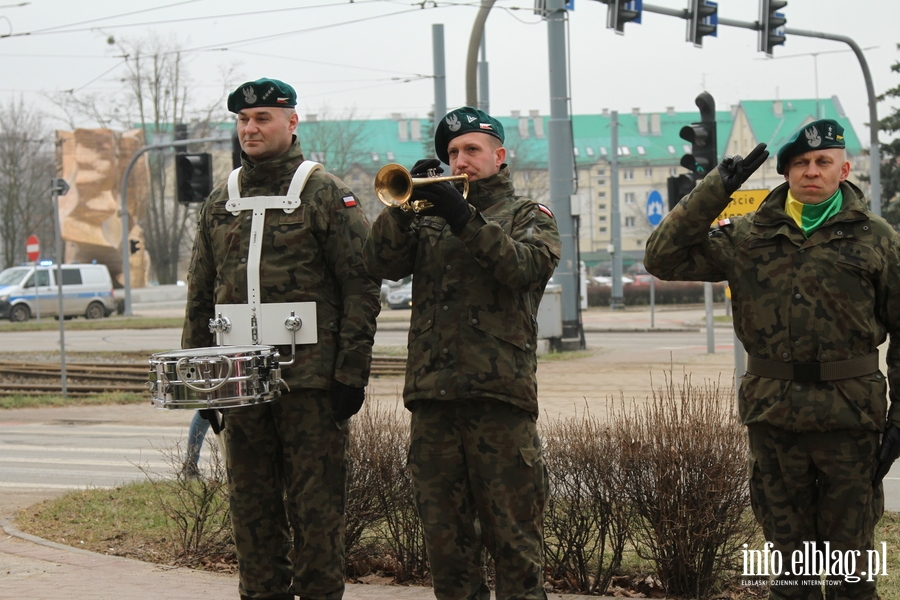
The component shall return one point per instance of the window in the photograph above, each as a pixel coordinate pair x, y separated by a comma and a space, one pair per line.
629, 221
390, 156
575, 151
601, 206
628, 174
601, 171
374, 157
641, 150
671, 149
601, 182
673, 171
601, 194
71, 276
603, 230
624, 151
602, 218
648, 171
629, 197
589, 151
639, 242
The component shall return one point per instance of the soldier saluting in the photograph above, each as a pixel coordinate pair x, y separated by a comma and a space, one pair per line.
815, 282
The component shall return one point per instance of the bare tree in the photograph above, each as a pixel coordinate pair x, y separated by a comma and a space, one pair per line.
26, 167
156, 81
336, 142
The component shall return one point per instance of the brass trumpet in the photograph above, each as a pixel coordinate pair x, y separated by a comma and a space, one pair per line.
394, 186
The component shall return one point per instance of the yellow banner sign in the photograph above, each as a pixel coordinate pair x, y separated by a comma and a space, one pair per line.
743, 202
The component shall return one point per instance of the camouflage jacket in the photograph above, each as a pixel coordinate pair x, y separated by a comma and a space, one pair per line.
473, 330
312, 254
832, 297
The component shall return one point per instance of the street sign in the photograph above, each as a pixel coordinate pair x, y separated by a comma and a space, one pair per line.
742, 202
655, 208
33, 248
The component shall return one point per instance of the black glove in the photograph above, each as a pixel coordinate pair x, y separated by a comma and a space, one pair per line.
735, 170
447, 202
888, 453
345, 400
422, 166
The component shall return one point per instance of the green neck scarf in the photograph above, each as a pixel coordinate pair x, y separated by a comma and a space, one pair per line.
810, 217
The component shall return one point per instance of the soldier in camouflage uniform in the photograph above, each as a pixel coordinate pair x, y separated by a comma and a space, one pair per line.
479, 269
815, 283
286, 472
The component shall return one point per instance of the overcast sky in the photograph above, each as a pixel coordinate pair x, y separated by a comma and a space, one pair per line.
374, 57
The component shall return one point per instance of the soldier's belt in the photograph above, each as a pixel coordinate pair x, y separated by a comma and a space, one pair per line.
810, 372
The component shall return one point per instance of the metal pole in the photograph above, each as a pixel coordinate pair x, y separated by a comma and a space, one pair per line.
59, 287
616, 299
440, 73
123, 208
484, 94
561, 171
710, 323
472, 57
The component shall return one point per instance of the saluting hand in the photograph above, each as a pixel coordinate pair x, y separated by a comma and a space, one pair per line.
735, 170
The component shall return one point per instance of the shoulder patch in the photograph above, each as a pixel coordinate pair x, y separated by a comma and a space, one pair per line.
545, 210
349, 201
724, 222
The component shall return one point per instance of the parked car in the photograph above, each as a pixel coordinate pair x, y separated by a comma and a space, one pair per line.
87, 291
401, 297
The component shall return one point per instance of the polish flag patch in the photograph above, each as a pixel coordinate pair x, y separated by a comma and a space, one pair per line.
349, 201
545, 210
724, 222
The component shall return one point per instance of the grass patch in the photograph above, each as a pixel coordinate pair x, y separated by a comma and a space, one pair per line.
557, 356
113, 322
123, 521
52, 401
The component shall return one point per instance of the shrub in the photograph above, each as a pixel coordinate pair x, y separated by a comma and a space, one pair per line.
586, 521
684, 457
665, 292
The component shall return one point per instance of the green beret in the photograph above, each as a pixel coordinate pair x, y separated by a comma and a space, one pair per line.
818, 135
262, 92
461, 121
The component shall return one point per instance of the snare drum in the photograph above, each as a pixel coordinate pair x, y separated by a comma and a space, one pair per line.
215, 377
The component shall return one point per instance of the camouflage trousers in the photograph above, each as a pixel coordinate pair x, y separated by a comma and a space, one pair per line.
812, 488
479, 482
287, 484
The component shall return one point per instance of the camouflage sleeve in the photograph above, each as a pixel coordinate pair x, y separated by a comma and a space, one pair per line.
523, 260
201, 279
390, 249
683, 247
889, 315
360, 292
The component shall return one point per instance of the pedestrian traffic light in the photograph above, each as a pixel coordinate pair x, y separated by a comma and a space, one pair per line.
193, 177
134, 246
771, 25
679, 187
702, 137
621, 12
704, 21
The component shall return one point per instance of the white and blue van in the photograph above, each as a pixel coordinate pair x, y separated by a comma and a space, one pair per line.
31, 290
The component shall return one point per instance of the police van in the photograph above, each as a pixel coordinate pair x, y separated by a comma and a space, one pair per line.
29, 291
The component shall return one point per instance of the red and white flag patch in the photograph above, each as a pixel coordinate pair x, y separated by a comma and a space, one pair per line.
349, 201
545, 210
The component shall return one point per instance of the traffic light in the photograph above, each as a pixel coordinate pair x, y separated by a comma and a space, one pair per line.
134, 246
702, 137
679, 187
704, 21
771, 25
193, 177
621, 12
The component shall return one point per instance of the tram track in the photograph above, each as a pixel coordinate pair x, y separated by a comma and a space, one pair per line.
86, 379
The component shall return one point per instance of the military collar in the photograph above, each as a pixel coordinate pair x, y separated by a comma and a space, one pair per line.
255, 174
484, 193
772, 210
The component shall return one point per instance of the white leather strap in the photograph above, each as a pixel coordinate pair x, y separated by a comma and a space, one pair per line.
259, 205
